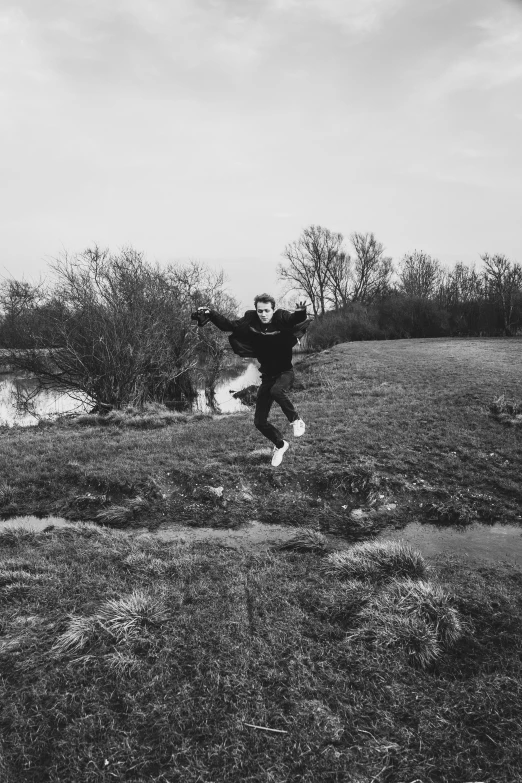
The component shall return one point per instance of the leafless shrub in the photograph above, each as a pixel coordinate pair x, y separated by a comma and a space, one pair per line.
116, 330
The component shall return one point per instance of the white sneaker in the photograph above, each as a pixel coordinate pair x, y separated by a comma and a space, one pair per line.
299, 427
277, 456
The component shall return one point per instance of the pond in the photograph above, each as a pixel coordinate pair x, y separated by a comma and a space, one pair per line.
49, 404
232, 379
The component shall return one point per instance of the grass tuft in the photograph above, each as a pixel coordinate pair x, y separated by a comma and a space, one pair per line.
376, 560
504, 405
506, 411
117, 620
415, 616
78, 634
306, 540
114, 516
124, 616
427, 600
347, 600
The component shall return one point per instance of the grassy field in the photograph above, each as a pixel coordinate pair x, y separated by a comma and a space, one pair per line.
407, 422
124, 658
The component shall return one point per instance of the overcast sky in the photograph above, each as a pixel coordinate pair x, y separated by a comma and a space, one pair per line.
218, 129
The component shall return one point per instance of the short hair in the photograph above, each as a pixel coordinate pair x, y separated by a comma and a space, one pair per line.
264, 298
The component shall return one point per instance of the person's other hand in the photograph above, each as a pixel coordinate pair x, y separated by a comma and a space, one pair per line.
203, 310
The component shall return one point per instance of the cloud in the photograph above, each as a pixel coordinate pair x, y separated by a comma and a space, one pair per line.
134, 43
494, 61
357, 16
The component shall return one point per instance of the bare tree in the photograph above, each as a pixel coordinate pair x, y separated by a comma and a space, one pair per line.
310, 264
17, 300
504, 284
115, 329
419, 275
372, 270
339, 291
204, 287
460, 285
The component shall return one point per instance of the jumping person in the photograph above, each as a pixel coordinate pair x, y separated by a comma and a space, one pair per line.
268, 335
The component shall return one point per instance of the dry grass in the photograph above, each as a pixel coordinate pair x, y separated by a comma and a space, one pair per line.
345, 601
385, 595
376, 560
306, 540
418, 617
393, 415
160, 657
115, 516
117, 621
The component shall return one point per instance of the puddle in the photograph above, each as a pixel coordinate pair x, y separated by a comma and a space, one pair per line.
253, 535
496, 543
46, 404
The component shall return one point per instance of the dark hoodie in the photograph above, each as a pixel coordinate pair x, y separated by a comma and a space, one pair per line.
271, 344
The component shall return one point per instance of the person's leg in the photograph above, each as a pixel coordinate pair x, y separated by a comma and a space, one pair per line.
279, 393
263, 405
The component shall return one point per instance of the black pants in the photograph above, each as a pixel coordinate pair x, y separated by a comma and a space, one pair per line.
274, 388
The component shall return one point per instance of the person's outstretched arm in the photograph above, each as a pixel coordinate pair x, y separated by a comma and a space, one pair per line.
222, 323
299, 314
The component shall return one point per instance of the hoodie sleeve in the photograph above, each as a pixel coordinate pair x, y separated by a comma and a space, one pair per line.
227, 325
292, 319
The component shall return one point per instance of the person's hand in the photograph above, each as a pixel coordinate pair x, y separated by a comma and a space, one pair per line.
203, 310
302, 305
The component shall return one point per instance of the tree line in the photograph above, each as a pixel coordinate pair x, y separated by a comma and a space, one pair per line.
360, 294
116, 330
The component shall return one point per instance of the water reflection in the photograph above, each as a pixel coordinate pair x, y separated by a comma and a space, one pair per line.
44, 405
51, 403
231, 380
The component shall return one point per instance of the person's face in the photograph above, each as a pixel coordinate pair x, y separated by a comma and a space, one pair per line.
265, 312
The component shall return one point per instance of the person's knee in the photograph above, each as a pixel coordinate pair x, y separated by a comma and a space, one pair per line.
260, 422
277, 393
